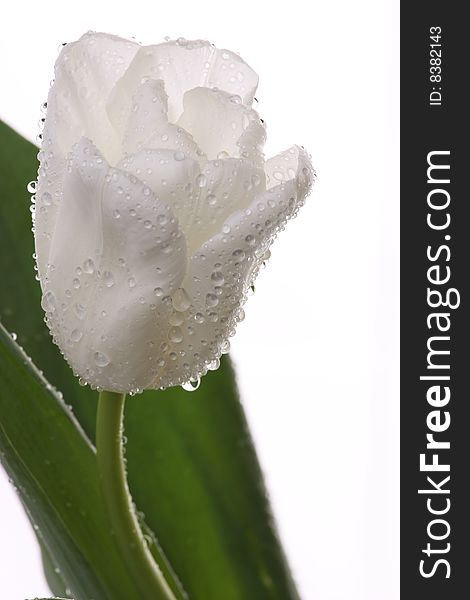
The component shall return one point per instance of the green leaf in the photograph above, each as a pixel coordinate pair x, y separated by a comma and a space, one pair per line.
192, 467
52, 573
54, 469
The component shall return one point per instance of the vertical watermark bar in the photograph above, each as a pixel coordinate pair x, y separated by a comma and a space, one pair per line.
435, 300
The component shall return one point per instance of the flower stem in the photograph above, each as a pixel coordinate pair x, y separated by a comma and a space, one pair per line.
150, 581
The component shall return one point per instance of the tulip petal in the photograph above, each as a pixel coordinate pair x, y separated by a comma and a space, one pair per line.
222, 270
167, 172
147, 115
144, 122
201, 197
110, 315
222, 125
184, 65
219, 189
85, 72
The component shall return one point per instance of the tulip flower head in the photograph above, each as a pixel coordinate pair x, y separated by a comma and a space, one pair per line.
155, 207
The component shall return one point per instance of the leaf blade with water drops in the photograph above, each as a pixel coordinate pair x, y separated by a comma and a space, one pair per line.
53, 466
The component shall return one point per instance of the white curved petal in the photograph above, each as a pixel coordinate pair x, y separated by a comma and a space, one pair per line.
144, 122
222, 270
221, 188
167, 172
184, 65
222, 125
85, 72
201, 197
172, 137
147, 115
107, 291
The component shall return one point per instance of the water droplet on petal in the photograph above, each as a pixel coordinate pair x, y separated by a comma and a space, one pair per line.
192, 385
89, 266
76, 335
214, 365
48, 302
180, 300
217, 278
211, 300
101, 359
108, 279
201, 180
179, 155
46, 198
175, 335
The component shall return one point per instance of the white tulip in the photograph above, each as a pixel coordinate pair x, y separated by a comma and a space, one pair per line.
154, 207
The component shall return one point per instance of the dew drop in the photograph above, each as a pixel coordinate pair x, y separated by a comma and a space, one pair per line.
31, 187
180, 300
76, 335
238, 255
240, 314
179, 155
131, 282
211, 300
79, 310
108, 279
214, 364
217, 278
201, 180
48, 302
89, 266
225, 347
46, 198
192, 385
175, 335
101, 359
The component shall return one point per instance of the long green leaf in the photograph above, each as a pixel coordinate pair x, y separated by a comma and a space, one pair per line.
54, 469
192, 467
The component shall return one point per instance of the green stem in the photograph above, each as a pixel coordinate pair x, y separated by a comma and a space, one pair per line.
132, 545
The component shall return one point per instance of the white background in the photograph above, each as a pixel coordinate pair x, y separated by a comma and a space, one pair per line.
317, 355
